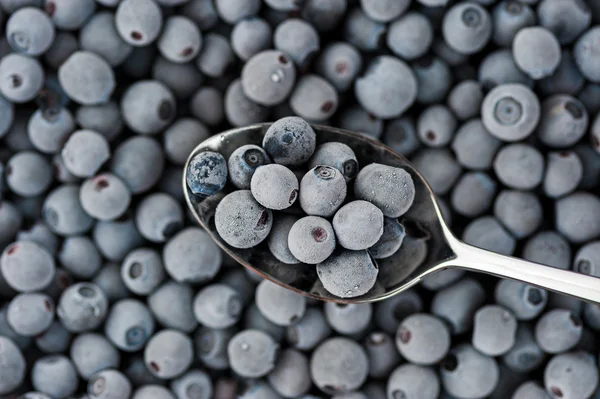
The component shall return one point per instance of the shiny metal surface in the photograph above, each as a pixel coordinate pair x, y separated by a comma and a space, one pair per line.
429, 247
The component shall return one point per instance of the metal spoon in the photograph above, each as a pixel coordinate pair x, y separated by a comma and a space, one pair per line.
428, 248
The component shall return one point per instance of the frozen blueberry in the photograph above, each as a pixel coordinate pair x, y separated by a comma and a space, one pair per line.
348, 274
510, 112
566, 19
298, 39
65, 44
564, 121
160, 304
268, 77
558, 330
384, 10
519, 211
182, 79
390, 241
139, 22
181, 137
434, 79
571, 374
499, 68
55, 375
80, 257
473, 194
216, 55
203, 12
423, 339
311, 239
194, 383
436, 125
567, 79
290, 141
30, 31
348, 319
548, 248
383, 356
588, 96
70, 14
464, 100
525, 355
410, 380
587, 259
217, 306
356, 119
329, 365
109, 281
389, 313
109, 384
410, 36
207, 173
154, 392
12, 366
91, 353
314, 98
519, 166
85, 152
536, 51
309, 331
336, 155
7, 114
525, 301
148, 107
211, 347
10, 6
48, 130
279, 305
439, 167
142, 271
252, 353
206, 105
576, 217
387, 88
87, 78
243, 162
389, 188
291, 376
129, 325
114, 239
274, 186
401, 135
509, 17
168, 354
100, 36
239, 109
21, 77
339, 63
458, 303
467, 27
40, 234
564, 171
467, 373
241, 221
82, 307
180, 40
30, 314
358, 225
362, 31
27, 266
158, 217
231, 11
494, 330
104, 197
183, 252
250, 36
322, 189
586, 56
530, 390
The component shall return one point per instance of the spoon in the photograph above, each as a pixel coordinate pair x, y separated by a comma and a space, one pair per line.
428, 247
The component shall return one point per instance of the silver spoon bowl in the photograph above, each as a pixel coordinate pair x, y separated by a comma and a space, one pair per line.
429, 246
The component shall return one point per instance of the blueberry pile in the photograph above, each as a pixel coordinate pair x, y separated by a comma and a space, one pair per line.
340, 230
110, 290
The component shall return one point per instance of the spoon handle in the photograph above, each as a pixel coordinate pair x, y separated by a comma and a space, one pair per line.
565, 282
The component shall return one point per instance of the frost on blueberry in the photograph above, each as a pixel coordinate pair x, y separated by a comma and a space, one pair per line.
206, 174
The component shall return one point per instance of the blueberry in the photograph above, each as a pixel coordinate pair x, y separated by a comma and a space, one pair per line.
82, 307
109, 281
142, 271
168, 354
499, 68
519, 166
447, 54
348, 319
27, 266
410, 380
585, 53
571, 374
423, 339
436, 125
54, 340
473, 194
336, 155
231, 11
389, 313
439, 167
21, 77
314, 98
434, 79
148, 107
109, 384
324, 15
278, 305
30, 31
290, 141
356, 119
48, 130
390, 241
383, 355
467, 27
525, 301
203, 12
152, 391
358, 224
194, 383
298, 39
206, 105
180, 40
363, 32
268, 77
30, 314
274, 186
79, 256
401, 135
180, 139
564, 121
257, 389
70, 14
243, 162
139, 22
311, 239
323, 188
576, 217
564, 172
587, 259
139, 162
87, 78
530, 390
410, 36
458, 303
339, 63
509, 17
464, 100
91, 353
566, 19
591, 316
211, 347
11, 221
389, 188
241, 110
467, 373
536, 51
129, 325
55, 375
217, 306
183, 251
567, 79
588, 96
12, 366
309, 331
216, 55
252, 353
7, 114
160, 304
99, 35
182, 79
519, 211
114, 239
10, 6
348, 274
387, 88
328, 365
525, 355
241, 221
158, 217
494, 330
558, 330
250, 36
291, 376
548, 248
